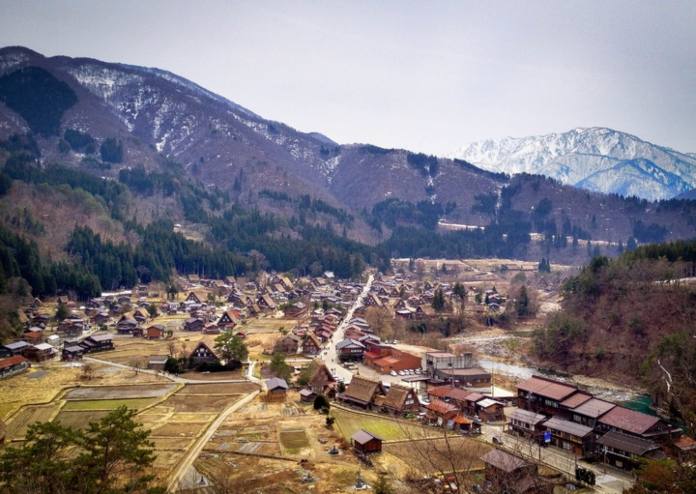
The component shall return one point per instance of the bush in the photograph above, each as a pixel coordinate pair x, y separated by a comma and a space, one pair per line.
321, 403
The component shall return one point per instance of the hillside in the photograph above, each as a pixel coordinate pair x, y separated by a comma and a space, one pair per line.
634, 312
597, 159
167, 124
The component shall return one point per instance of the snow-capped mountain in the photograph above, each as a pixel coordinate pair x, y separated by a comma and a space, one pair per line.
595, 158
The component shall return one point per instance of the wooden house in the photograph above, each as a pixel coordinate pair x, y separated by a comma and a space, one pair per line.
365, 443
490, 410
511, 474
627, 451
526, 424
11, 366
97, 343
440, 412
227, 320
311, 345
72, 352
398, 400
203, 354
350, 350
576, 438
361, 392
40, 352
126, 325
194, 324
196, 297
322, 381
543, 395
276, 389
155, 332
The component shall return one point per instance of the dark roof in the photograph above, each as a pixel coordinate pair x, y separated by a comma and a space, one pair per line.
547, 388
396, 397
449, 392
471, 371
348, 342
628, 420
572, 428
73, 349
624, 442
101, 337
527, 417
503, 461
594, 408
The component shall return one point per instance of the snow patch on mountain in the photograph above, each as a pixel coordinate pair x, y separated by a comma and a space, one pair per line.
573, 157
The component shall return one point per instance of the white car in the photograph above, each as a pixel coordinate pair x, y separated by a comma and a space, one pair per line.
402, 373
392, 373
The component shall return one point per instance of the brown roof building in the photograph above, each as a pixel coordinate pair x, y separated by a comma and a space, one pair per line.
361, 392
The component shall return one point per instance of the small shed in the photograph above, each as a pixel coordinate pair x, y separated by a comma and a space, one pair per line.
307, 395
157, 362
365, 443
277, 389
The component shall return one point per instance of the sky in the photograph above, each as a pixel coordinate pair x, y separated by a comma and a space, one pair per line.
426, 76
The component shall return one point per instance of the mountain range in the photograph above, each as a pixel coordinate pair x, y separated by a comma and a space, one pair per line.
145, 127
596, 158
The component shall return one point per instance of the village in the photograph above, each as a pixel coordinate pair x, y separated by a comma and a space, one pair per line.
316, 384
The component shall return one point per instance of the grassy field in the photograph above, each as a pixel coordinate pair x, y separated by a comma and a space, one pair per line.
435, 455
348, 423
134, 403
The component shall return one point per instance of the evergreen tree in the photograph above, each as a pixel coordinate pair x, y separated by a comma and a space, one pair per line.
438, 300
522, 302
231, 347
279, 367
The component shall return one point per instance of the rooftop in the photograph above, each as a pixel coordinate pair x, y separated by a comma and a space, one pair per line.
629, 420
547, 388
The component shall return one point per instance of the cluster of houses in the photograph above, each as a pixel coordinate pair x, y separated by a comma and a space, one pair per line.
560, 414
410, 298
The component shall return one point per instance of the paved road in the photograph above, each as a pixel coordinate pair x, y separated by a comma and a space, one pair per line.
171, 377
193, 453
609, 481
328, 355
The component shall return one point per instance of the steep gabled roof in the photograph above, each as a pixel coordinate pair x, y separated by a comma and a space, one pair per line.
361, 390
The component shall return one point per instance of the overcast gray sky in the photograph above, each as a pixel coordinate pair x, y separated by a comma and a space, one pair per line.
427, 76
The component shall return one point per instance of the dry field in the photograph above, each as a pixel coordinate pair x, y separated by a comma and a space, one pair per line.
18, 425
132, 403
119, 392
432, 456
79, 419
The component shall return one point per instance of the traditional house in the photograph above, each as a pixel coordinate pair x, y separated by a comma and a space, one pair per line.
141, 315
202, 354
197, 297
194, 324
511, 474
13, 365
365, 443
72, 352
41, 352
97, 343
266, 302
322, 381
17, 348
155, 332
311, 345
570, 436
298, 310
227, 320
349, 350
543, 395
634, 423
526, 424
276, 389
361, 392
589, 412
626, 451
490, 410
34, 335
440, 412
126, 325
398, 400
288, 344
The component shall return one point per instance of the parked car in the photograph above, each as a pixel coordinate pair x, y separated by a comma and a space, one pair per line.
392, 373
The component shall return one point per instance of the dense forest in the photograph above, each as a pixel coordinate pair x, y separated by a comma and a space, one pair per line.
632, 312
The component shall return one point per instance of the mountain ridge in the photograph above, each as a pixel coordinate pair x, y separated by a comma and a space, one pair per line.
575, 155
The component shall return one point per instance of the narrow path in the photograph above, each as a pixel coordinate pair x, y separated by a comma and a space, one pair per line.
193, 453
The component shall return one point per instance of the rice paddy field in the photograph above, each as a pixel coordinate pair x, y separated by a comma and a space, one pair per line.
132, 403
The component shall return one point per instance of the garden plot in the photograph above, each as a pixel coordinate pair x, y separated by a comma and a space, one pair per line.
218, 389
79, 419
119, 392
293, 441
200, 403
20, 422
171, 444
132, 403
179, 429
